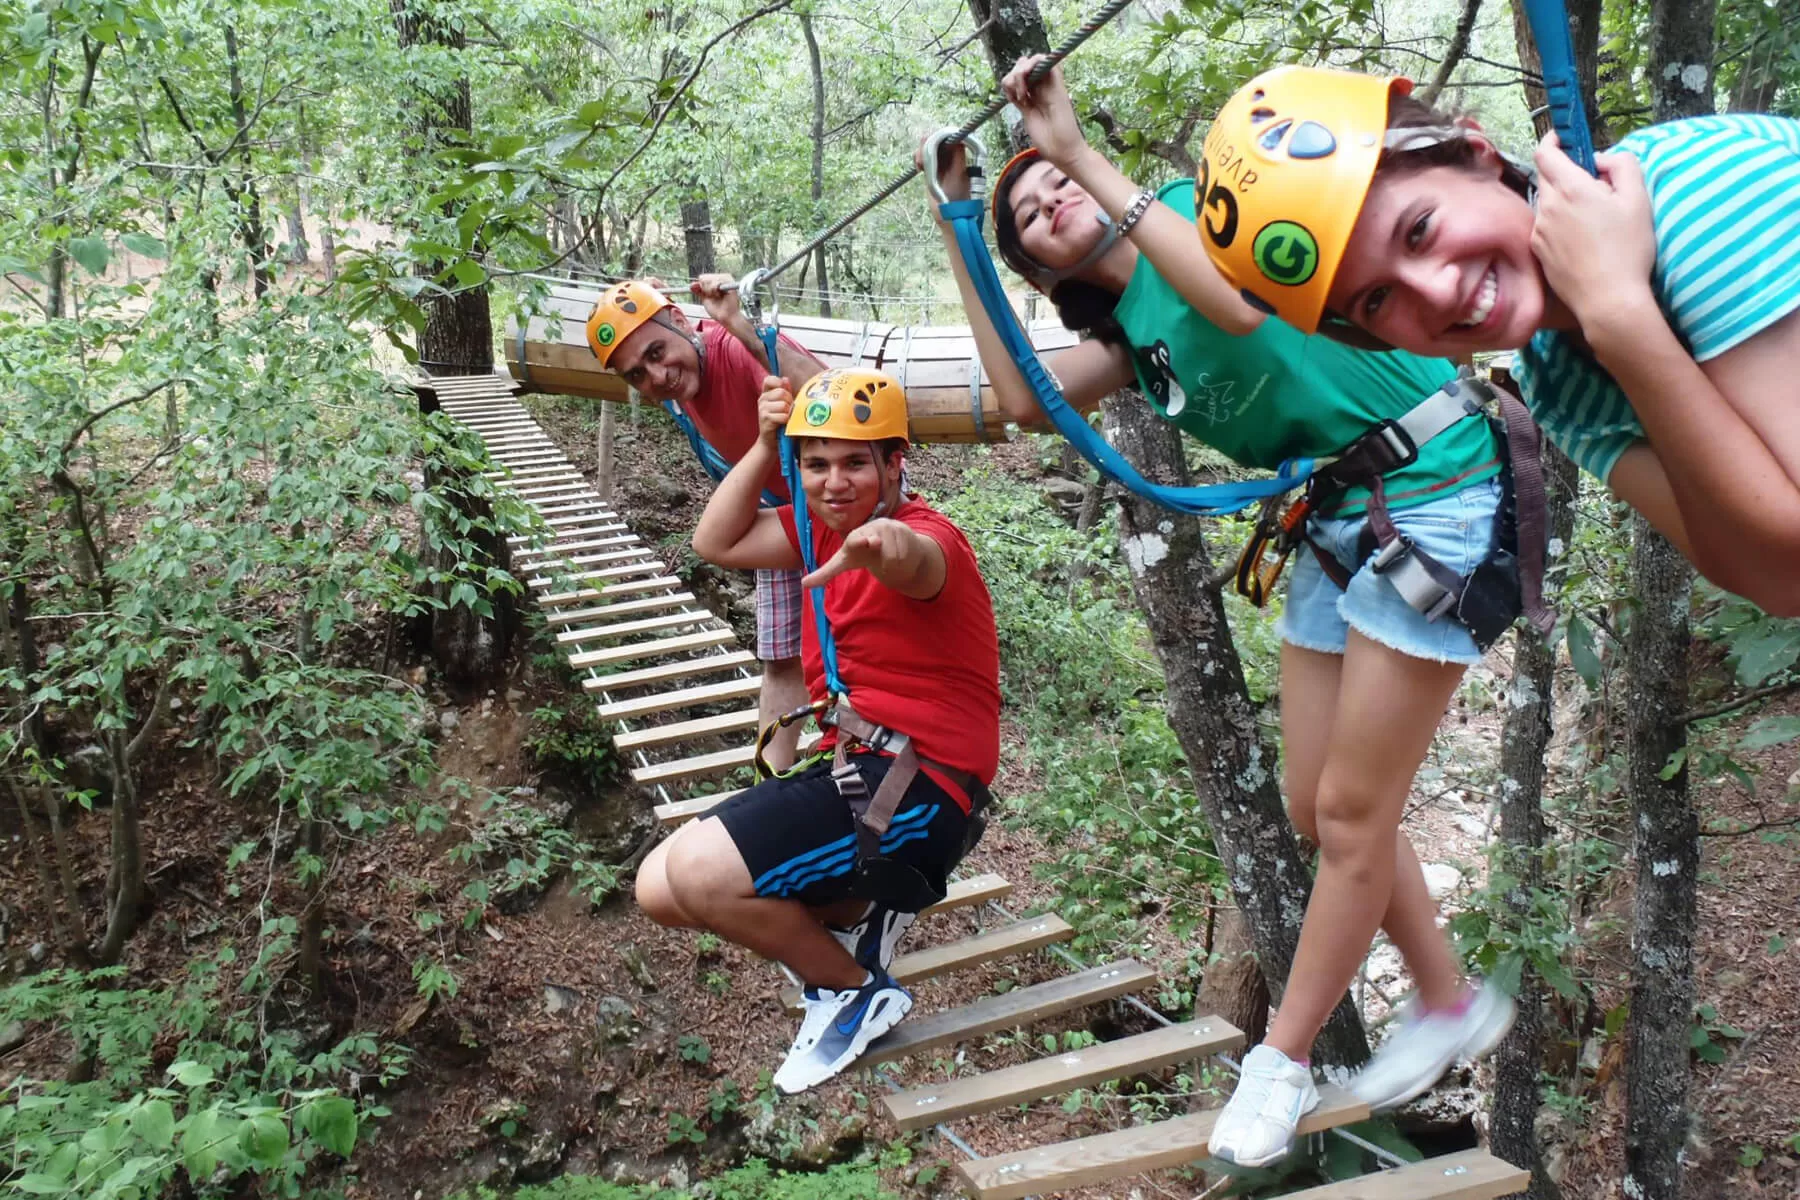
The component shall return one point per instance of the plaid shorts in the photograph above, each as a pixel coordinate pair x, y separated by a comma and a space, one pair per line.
779, 604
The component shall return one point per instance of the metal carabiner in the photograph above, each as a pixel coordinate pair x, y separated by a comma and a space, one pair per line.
751, 298
977, 157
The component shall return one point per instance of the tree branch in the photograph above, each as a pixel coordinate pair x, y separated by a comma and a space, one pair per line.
68, 445
1743, 701
1453, 54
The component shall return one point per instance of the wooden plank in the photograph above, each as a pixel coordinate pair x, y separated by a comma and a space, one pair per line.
664, 672
604, 611
555, 485
622, 548
648, 567
954, 1099
705, 693
705, 764
1132, 1151
596, 633
971, 892
525, 483
543, 557
653, 649
630, 586
1470, 1175
1019, 937
594, 506
629, 554
559, 522
681, 731
682, 811
532, 468
1021, 1006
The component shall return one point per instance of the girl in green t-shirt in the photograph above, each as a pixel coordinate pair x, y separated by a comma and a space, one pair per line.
1365, 677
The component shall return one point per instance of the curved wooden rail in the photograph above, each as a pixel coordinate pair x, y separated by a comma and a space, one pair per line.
936, 364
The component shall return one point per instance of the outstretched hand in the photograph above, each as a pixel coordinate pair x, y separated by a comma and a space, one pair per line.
1049, 113
880, 545
1593, 236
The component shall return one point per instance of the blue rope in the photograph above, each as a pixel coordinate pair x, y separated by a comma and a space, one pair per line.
965, 217
711, 461
1550, 30
790, 471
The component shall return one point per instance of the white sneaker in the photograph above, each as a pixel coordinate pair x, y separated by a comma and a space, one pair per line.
857, 1018
1257, 1124
874, 940
1423, 1047
818, 1006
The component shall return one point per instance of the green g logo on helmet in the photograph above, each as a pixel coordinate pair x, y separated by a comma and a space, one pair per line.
605, 334
818, 412
1286, 253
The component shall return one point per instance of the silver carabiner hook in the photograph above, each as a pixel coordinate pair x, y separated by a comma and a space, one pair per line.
977, 157
750, 296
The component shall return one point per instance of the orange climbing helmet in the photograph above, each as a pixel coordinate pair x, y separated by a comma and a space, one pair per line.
622, 308
853, 403
1287, 166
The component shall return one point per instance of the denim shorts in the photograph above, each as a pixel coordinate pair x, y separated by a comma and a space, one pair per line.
1457, 530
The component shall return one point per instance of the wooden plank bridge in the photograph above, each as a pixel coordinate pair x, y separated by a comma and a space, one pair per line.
681, 694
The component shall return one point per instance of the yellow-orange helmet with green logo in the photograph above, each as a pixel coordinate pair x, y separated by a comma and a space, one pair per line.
622, 308
853, 403
1287, 166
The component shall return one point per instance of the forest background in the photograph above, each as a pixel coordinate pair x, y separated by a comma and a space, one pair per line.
272, 922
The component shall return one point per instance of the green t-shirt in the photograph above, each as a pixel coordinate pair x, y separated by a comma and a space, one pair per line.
1277, 394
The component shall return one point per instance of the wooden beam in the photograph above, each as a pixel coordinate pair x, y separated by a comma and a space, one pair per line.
1021, 1006
598, 633
648, 604
1470, 1175
681, 731
917, 1108
990, 945
655, 649
685, 669
705, 693
705, 764
1131, 1151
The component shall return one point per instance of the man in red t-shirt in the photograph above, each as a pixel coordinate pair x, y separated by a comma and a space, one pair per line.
804, 869
713, 374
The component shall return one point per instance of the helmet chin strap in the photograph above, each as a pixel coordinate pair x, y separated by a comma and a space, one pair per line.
693, 339
1046, 278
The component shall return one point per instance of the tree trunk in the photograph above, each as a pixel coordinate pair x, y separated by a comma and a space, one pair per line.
248, 199
1523, 744
459, 332
609, 420
697, 230
1011, 29
125, 891
1667, 842
299, 249
1667, 851
1213, 717
818, 157
1584, 32
1233, 986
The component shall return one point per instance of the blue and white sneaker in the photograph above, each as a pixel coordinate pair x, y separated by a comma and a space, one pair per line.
836, 1032
874, 940
1258, 1124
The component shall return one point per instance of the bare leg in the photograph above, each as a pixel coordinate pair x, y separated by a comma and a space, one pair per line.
706, 879
783, 690
1387, 707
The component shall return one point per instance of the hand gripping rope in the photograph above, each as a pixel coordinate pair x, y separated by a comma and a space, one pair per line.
965, 217
1550, 30
766, 329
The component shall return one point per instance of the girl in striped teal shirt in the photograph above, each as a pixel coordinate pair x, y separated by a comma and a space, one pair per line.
1656, 308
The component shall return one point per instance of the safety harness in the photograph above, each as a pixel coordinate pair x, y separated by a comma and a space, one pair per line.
878, 877
1508, 581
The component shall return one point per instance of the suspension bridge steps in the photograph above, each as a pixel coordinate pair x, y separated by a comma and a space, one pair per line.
669, 676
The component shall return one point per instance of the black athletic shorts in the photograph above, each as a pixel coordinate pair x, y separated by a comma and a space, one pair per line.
798, 837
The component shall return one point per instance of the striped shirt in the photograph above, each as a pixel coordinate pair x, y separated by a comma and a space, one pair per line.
1725, 203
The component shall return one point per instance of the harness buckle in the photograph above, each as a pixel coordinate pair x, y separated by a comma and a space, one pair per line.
1398, 447
1390, 554
849, 781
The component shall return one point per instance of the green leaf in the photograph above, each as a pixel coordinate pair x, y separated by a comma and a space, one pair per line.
1773, 646
201, 1134
1582, 654
155, 1123
469, 273
265, 1140
40, 1185
1771, 731
191, 1074
91, 252
144, 244
331, 1121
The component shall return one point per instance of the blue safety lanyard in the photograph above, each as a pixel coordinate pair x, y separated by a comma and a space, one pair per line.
790, 471
965, 219
1550, 30
711, 461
